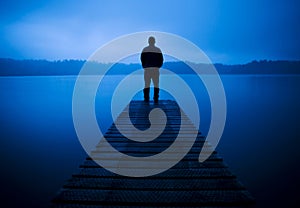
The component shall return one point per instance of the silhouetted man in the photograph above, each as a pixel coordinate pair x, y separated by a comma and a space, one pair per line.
152, 60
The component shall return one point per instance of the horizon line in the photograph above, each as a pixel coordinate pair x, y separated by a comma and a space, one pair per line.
127, 63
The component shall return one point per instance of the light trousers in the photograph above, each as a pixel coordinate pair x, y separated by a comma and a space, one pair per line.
151, 73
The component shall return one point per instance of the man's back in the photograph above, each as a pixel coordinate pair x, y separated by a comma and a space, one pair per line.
151, 57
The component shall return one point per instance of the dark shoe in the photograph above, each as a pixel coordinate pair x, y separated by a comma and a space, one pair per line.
156, 95
146, 94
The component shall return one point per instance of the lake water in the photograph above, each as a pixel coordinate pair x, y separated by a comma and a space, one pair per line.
40, 149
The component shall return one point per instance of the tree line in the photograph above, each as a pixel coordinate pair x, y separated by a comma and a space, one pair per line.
12, 67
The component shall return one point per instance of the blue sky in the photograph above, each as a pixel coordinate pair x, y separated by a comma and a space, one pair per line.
228, 31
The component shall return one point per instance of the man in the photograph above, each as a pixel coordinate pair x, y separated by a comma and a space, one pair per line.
152, 60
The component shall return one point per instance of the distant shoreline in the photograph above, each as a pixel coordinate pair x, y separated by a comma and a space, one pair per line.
12, 67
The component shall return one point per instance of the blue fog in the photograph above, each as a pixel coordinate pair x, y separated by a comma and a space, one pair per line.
229, 32
40, 149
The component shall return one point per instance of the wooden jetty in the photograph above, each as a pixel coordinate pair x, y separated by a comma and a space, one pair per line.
187, 184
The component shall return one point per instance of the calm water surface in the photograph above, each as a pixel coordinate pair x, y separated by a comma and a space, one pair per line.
40, 149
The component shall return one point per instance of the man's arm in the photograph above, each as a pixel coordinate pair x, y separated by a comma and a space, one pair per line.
161, 59
143, 58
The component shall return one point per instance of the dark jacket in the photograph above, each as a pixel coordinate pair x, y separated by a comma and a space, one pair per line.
151, 57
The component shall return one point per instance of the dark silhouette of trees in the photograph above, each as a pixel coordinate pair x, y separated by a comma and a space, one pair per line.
11, 67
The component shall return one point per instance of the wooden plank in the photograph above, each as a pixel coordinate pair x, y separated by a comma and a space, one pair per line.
155, 165
118, 144
171, 173
153, 198
188, 157
146, 150
72, 205
155, 184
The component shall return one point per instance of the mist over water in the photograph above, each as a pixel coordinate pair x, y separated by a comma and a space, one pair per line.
40, 149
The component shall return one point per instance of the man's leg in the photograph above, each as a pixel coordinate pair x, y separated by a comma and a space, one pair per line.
155, 78
156, 94
147, 79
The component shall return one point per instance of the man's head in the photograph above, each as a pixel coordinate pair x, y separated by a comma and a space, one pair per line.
151, 41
